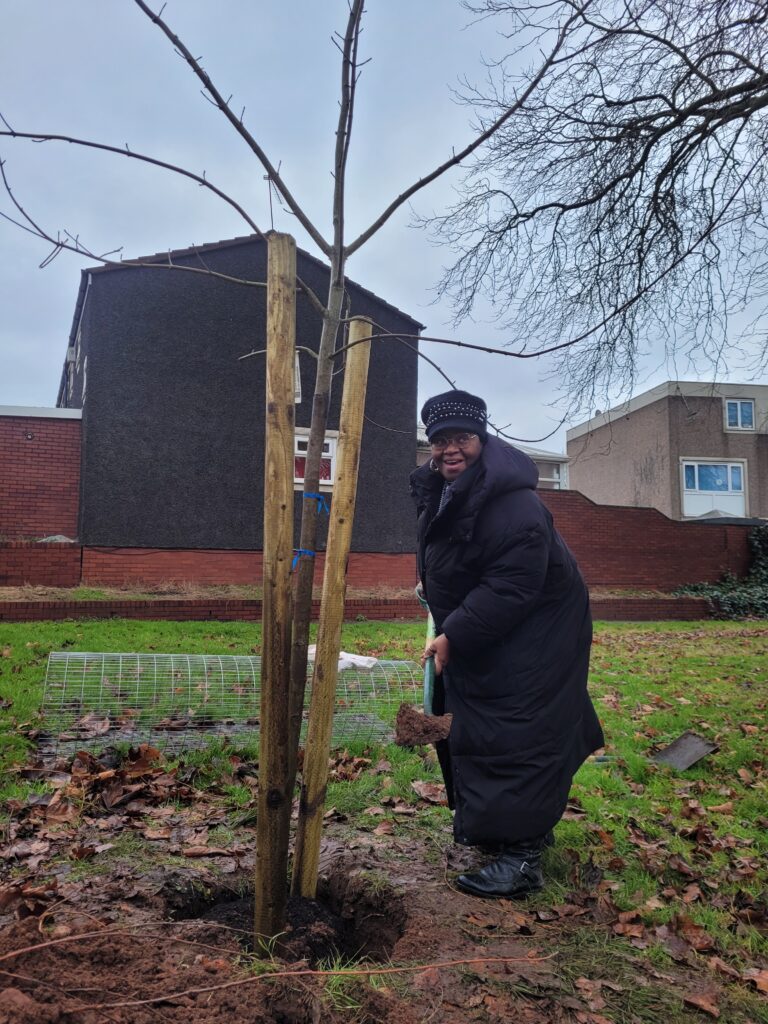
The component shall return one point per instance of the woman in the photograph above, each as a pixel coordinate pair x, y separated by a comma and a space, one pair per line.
511, 653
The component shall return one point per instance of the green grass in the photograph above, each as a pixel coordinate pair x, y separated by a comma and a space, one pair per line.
650, 832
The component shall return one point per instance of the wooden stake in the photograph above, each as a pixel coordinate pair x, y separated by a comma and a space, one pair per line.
274, 803
318, 744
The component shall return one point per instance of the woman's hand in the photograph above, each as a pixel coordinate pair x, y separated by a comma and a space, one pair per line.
440, 649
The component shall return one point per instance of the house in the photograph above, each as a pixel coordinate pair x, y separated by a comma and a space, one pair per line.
690, 449
173, 417
552, 466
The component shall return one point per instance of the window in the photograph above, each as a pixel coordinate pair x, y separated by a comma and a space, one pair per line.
740, 414
327, 463
714, 477
550, 478
713, 488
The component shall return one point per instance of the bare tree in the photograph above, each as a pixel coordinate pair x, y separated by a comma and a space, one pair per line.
626, 199
336, 249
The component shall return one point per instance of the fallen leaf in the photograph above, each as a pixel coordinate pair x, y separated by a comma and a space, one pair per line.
714, 963
691, 893
82, 852
704, 1001
726, 808
25, 848
654, 903
694, 934
636, 931
757, 977
482, 921
92, 724
678, 864
61, 809
432, 792
157, 832
428, 980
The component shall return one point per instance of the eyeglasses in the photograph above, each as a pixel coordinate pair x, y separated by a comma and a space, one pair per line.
441, 442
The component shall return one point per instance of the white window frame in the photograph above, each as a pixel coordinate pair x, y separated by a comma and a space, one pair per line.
730, 463
85, 379
738, 403
296, 380
329, 451
554, 475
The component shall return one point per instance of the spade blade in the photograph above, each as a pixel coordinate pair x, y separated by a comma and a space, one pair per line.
685, 751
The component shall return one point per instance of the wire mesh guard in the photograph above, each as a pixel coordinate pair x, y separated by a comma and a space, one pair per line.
182, 701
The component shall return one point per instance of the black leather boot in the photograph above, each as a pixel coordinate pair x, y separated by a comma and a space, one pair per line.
514, 874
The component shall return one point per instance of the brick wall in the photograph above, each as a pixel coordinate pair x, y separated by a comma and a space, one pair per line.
46, 565
615, 546
128, 566
639, 547
618, 609
39, 476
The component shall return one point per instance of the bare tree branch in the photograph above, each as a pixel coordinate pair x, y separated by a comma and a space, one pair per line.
237, 124
120, 151
625, 201
532, 85
72, 243
349, 52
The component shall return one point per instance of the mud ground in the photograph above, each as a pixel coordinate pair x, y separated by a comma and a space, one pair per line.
174, 944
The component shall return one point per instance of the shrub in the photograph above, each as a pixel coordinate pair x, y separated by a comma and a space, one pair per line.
734, 598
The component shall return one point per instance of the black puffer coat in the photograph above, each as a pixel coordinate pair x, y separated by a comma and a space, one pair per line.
506, 591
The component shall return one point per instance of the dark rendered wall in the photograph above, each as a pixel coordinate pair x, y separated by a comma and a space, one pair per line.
173, 422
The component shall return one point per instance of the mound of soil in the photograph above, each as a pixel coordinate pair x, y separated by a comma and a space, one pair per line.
413, 728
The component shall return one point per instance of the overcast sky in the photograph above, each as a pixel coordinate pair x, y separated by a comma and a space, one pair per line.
98, 69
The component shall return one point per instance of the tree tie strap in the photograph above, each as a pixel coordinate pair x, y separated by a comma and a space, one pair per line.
322, 502
297, 553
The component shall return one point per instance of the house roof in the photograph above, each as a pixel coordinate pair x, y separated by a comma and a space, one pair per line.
194, 250
669, 389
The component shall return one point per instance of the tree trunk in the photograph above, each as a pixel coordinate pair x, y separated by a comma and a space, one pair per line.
302, 605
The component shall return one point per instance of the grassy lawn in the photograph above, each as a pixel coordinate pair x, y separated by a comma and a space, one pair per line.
682, 854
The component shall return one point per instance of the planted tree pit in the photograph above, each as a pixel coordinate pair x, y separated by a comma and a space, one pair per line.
357, 915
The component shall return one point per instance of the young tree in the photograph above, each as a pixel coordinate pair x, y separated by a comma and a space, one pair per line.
626, 198
554, 45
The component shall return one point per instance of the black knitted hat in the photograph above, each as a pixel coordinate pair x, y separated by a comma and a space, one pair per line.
455, 410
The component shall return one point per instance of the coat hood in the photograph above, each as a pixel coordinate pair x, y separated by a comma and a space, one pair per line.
500, 469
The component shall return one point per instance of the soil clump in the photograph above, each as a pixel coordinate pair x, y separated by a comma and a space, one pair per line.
414, 729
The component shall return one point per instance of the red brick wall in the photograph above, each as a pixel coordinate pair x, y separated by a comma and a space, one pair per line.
46, 565
639, 547
39, 476
615, 546
623, 609
120, 566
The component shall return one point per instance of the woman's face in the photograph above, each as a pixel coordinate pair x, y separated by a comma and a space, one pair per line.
454, 451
